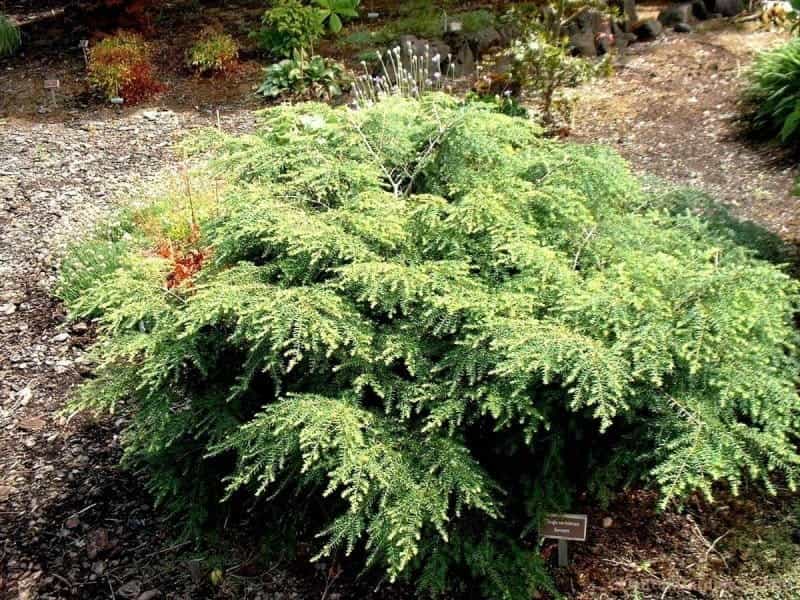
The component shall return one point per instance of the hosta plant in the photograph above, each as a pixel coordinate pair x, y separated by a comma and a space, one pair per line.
420, 325
120, 66
314, 77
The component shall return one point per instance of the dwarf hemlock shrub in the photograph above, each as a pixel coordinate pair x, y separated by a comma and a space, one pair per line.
120, 66
421, 325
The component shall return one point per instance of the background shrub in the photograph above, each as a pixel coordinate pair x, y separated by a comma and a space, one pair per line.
437, 325
10, 38
332, 13
289, 27
773, 94
214, 52
542, 61
120, 66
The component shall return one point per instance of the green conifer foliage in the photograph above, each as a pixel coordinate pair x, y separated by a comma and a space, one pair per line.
441, 325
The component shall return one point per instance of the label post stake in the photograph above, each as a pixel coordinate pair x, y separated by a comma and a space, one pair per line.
564, 527
563, 553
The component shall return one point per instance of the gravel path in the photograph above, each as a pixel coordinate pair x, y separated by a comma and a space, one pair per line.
56, 478
671, 112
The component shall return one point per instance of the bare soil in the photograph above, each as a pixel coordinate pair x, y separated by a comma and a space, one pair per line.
671, 109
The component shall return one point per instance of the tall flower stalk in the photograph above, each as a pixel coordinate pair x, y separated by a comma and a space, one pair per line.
407, 76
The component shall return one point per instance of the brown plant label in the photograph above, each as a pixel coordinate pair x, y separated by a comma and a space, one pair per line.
564, 527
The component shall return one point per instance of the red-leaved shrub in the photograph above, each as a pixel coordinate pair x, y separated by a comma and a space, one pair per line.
119, 66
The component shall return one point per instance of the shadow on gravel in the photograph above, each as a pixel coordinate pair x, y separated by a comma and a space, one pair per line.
100, 537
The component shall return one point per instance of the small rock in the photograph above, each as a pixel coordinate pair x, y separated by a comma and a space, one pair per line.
484, 40
149, 595
61, 337
131, 589
676, 13
24, 396
6, 491
649, 29
682, 28
72, 522
582, 43
155, 115
7, 309
605, 42
99, 567
32, 424
97, 543
729, 8
80, 327
700, 10
464, 60
607, 522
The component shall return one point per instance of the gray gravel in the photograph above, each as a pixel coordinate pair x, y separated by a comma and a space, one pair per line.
56, 181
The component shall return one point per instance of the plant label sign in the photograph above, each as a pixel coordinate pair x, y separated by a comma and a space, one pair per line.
52, 85
84, 46
565, 527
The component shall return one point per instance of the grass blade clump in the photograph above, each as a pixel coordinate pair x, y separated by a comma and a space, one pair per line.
773, 94
10, 37
437, 325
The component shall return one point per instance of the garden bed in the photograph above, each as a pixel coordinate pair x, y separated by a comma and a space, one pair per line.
73, 525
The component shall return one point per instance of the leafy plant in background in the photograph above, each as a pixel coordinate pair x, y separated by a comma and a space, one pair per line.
10, 38
544, 67
288, 27
214, 52
542, 62
334, 12
315, 77
420, 325
772, 95
120, 66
